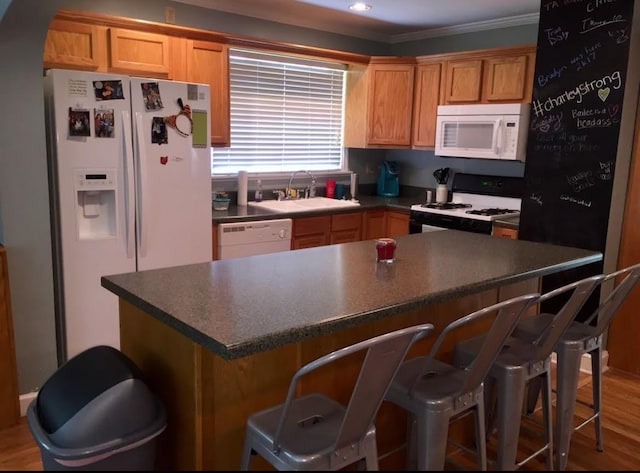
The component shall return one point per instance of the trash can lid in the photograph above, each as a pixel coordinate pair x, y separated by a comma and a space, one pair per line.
79, 381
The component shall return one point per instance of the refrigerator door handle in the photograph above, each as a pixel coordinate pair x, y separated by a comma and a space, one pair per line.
129, 185
140, 166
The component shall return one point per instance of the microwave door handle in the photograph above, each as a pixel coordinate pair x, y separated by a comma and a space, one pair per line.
498, 137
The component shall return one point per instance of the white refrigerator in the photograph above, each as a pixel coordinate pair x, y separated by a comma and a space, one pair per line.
130, 179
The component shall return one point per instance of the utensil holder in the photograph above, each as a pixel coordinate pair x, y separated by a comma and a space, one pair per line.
442, 193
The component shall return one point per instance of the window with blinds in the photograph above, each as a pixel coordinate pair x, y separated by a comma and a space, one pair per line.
286, 115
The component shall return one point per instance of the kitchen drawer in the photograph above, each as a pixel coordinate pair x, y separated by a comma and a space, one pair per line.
348, 221
345, 236
311, 225
310, 241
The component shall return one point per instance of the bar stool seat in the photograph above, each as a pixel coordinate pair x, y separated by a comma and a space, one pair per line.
521, 360
314, 431
580, 338
435, 393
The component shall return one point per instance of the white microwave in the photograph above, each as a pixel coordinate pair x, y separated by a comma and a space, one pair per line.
487, 131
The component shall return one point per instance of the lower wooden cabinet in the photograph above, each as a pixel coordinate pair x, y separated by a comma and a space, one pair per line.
381, 223
374, 224
330, 229
346, 228
9, 397
505, 232
214, 241
311, 231
397, 223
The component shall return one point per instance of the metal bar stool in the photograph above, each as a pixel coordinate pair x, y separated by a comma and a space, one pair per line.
580, 338
522, 359
435, 393
314, 432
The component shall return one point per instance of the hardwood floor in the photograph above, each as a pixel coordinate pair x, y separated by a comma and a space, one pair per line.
620, 421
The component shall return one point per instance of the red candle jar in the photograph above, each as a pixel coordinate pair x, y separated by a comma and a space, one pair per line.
385, 249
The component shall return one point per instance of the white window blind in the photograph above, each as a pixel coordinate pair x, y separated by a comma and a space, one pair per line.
286, 114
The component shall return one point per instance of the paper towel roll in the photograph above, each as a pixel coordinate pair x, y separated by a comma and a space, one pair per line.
243, 181
353, 189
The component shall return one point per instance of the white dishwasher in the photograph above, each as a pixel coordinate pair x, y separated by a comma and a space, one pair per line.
254, 238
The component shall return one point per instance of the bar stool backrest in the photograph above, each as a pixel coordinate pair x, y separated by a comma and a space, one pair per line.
606, 310
507, 314
381, 362
582, 289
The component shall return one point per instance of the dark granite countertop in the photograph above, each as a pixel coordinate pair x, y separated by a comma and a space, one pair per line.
240, 306
247, 213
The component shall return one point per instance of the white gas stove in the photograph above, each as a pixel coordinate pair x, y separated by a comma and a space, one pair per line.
476, 201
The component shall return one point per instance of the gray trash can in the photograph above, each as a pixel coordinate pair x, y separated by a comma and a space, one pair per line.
96, 413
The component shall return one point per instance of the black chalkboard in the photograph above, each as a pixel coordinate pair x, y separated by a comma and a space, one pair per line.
579, 82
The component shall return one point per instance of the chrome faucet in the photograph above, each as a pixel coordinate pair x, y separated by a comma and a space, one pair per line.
311, 189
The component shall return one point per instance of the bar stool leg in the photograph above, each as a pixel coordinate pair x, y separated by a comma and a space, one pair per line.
568, 369
481, 435
412, 452
547, 412
510, 395
371, 456
433, 432
596, 381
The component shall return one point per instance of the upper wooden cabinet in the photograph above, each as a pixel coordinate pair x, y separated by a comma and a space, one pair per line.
426, 98
77, 45
138, 52
463, 80
208, 63
489, 76
508, 78
379, 103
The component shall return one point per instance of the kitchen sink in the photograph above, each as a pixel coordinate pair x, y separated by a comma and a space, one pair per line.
304, 205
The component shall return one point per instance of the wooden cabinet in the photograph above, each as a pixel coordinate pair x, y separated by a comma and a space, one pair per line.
622, 338
208, 62
505, 232
397, 223
426, 98
374, 224
463, 80
214, 241
139, 53
9, 397
311, 231
508, 78
75, 45
379, 103
489, 76
326, 230
78, 45
346, 227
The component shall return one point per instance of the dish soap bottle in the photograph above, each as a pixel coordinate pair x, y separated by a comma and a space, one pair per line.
258, 195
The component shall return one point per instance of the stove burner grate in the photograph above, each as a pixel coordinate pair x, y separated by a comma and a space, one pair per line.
447, 206
492, 211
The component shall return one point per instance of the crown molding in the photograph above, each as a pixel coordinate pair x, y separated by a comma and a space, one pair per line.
499, 23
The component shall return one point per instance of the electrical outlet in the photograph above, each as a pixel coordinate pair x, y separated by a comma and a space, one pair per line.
369, 169
170, 15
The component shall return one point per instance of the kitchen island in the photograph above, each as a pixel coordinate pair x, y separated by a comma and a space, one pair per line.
220, 340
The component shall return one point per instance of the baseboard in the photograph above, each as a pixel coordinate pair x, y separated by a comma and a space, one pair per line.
25, 400
585, 362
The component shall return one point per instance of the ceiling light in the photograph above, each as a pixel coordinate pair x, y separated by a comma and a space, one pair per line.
359, 6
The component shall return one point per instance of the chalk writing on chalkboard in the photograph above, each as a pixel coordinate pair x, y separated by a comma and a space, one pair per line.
576, 109
576, 93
